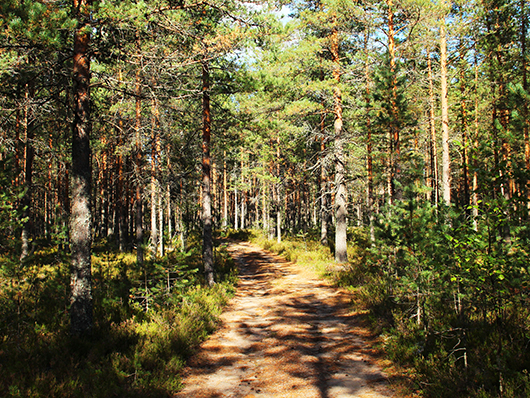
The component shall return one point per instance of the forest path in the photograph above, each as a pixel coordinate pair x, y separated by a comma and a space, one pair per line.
286, 333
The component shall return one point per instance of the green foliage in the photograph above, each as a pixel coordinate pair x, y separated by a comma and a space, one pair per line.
454, 298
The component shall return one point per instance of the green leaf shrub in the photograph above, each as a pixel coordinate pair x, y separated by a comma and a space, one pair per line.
454, 295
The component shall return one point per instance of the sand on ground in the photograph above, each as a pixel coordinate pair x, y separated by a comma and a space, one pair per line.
286, 333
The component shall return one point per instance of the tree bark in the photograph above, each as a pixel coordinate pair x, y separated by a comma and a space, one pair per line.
154, 177
324, 200
474, 196
433, 147
369, 160
207, 239
394, 147
138, 169
341, 212
278, 194
465, 160
81, 317
446, 159
225, 193
120, 204
524, 21
28, 173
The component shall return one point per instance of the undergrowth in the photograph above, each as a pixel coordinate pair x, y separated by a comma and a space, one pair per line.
449, 301
148, 321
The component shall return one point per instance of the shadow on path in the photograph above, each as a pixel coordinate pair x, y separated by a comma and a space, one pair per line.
285, 334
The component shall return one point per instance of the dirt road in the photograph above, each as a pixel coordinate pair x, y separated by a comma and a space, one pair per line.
285, 334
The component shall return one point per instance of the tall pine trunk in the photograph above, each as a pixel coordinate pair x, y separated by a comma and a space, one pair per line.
464, 127
207, 238
154, 177
524, 21
433, 147
28, 173
474, 196
446, 160
81, 216
369, 160
393, 139
341, 212
225, 193
138, 168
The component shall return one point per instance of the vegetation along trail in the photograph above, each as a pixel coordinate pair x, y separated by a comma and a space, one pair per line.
285, 334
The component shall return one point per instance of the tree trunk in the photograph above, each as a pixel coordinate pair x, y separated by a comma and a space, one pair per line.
465, 160
324, 186
369, 161
394, 149
433, 147
138, 171
341, 212
236, 208
474, 197
207, 239
81, 317
243, 196
225, 193
161, 248
28, 174
278, 196
120, 203
446, 159
154, 180
524, 22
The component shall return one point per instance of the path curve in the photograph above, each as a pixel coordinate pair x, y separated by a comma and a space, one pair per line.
284, 334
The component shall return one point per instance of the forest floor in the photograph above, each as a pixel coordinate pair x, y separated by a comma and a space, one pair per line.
286, 333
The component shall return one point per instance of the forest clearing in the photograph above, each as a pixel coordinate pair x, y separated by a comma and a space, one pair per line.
383, 144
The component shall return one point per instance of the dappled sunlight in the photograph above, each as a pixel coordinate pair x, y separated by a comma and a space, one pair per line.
285, 334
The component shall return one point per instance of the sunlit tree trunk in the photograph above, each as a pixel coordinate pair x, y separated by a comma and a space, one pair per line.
138, 170
369, 161
524, 21
161, 247
28, 173
278, 202
155, 153
207, 239
243, 197
324, 195
464, 127
81, 317
446, 159
341, 212
120, 203
474, 197
51, 198
394, 147
433, 146
225, 193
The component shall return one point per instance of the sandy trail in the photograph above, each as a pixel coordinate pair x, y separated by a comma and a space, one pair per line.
285, 334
